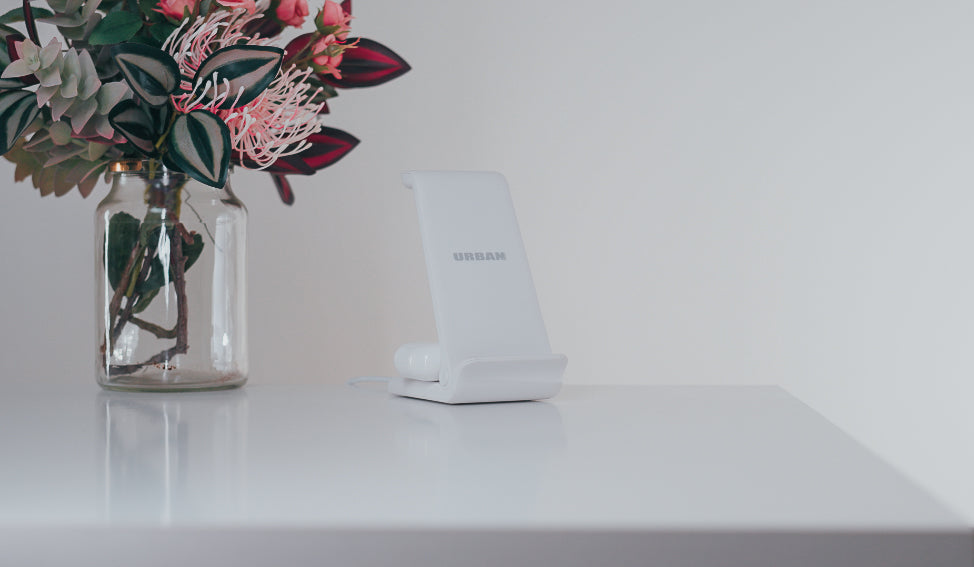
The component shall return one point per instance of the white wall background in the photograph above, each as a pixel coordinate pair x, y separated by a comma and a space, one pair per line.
710, 192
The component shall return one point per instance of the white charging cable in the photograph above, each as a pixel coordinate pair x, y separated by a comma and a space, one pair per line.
355, 381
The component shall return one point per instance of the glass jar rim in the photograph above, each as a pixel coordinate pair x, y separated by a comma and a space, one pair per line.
127, 165
138, 165
152, 175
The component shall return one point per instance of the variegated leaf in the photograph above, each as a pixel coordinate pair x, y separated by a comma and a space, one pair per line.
152, 73
240, 72
199, 145
17, 110
14, 83
130, 120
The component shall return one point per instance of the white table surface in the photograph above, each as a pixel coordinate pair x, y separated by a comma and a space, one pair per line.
340, 475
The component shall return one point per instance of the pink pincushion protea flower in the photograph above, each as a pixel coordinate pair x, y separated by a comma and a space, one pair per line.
278, 123
275, 124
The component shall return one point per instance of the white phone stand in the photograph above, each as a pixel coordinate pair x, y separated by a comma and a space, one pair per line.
493, 346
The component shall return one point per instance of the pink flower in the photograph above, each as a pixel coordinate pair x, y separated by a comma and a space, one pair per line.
249, 5
292, 12
175, 9
278, 122
327, 56
331, 62
275, 124
333, 20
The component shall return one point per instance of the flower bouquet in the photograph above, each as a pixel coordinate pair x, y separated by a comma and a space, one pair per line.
165, 96
194, 84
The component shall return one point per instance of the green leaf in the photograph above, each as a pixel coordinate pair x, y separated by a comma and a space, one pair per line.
148, 8
151, 72
6, 30
144, 300
326, 91
122, 237
199, 145
73, 14
244, 70
116, 28
18, 109
145, 39
61, 5
192, 251
161, 31
78, 33
158, 275
125, 233
130, 120
17, 15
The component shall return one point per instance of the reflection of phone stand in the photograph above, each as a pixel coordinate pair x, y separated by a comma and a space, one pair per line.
493, 346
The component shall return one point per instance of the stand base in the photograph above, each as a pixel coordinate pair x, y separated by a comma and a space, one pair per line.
493, 379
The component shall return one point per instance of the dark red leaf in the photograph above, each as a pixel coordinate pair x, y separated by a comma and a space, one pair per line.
367, 65
283, 188
286, 165
29, 22
296, 45
12, 40
280, 166
347, 7
266, 27
327, 147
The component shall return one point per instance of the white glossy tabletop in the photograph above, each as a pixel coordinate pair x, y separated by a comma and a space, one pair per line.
327, 459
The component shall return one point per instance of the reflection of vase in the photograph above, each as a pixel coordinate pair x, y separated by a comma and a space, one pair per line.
174, 457
170, 284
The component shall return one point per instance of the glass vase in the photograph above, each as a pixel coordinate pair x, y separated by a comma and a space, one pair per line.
170, 283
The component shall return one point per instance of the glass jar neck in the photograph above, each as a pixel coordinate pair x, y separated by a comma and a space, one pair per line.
158, 185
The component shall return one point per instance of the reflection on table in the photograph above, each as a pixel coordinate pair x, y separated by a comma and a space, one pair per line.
171, 457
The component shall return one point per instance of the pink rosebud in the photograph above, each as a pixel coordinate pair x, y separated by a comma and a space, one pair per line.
175, 9
332, 19
292, 12
331, 62
324, 59
249, 5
